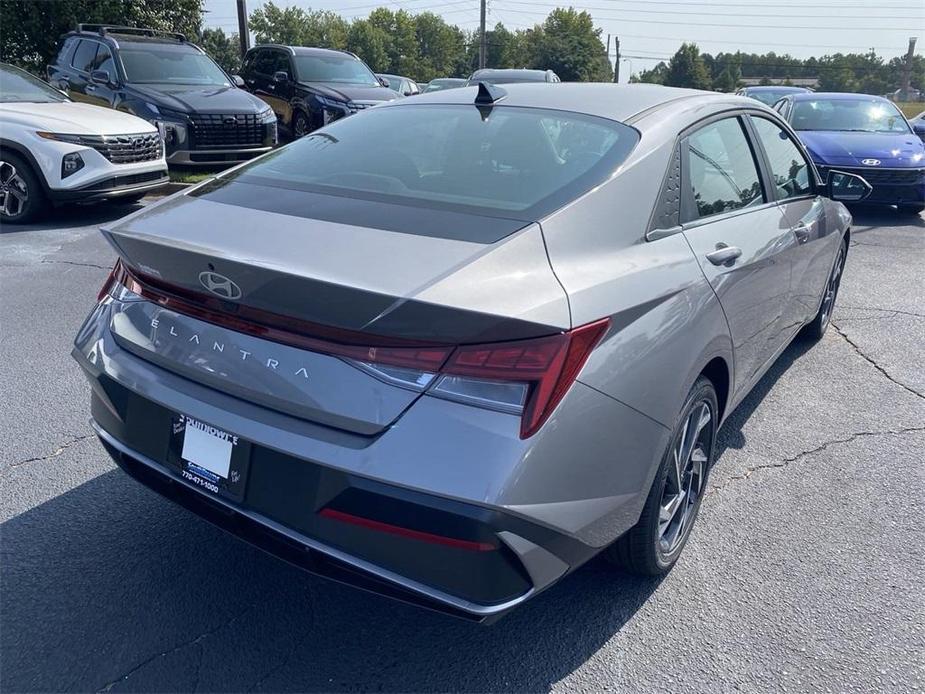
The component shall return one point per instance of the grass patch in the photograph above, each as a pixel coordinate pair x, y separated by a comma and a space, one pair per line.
912, 108
191, 175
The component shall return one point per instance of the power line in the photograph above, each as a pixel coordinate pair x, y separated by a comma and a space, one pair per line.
797, 5
700, 13
722, 25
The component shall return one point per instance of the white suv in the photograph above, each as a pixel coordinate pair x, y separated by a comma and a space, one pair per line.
53, 150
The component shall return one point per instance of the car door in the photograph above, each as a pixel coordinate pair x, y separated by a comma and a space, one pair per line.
102, 94
78, 73
740, 238
796, 189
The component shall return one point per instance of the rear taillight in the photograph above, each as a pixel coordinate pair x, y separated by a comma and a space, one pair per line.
526, 377
111, 280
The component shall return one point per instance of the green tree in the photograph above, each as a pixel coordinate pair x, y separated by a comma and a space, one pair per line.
688, 69
29, 30
369, 42
441, 48
294, 26
656, 75
402, 47
224, 49
571, 46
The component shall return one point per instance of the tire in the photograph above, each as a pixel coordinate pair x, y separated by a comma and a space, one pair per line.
911, 209
653, 545
301, 125
818, 326
22, 198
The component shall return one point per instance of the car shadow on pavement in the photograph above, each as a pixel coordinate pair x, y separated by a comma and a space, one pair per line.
109, 584
73, 215
872, 217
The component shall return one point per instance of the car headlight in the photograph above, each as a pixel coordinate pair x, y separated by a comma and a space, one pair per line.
266, 116
332, 103
172, 133
71, 164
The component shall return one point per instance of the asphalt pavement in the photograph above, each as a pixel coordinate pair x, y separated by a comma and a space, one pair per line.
804, 573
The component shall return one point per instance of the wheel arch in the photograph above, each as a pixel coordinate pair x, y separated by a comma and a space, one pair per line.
23, 152
719, 373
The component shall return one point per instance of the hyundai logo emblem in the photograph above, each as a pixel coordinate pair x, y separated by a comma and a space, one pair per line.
230, 120
870, 162
220, 285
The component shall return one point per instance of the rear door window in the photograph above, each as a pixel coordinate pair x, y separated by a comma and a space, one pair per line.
84, 55
790, 171
721, 170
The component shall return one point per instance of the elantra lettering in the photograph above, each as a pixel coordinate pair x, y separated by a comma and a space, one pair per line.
217, 346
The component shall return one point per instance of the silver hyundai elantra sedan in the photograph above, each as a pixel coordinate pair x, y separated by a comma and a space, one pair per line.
451, 348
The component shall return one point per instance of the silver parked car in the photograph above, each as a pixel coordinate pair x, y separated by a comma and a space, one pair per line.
451, 349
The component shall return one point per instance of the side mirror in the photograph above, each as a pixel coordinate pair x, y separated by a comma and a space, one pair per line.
238, 81
846, 187
409, 93
280, 76
100, 77
383, 81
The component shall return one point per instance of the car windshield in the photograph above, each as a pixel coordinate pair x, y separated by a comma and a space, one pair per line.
17, 86
334, 68
154, 65
848, 115
518, 162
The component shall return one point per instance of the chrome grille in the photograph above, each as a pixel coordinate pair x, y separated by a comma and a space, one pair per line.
222, 130
125, 149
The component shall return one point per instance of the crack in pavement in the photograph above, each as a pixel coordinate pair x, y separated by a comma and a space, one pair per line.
778, 465
54, 454
313, 605
892, 311
74, 262
874, 363
196, 641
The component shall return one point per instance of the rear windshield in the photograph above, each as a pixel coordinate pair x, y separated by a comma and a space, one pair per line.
848, 115
512, 162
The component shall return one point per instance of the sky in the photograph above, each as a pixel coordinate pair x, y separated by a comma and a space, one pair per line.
652, 30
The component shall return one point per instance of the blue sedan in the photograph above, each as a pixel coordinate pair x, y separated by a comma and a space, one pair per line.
865, 135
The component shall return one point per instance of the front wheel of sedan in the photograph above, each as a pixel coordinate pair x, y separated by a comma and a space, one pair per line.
654, 544
816, 329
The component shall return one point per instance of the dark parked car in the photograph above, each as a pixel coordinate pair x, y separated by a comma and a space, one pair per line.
203, 115
403, 85
769, 95
442, 83
310, 87
865, 135
512, 76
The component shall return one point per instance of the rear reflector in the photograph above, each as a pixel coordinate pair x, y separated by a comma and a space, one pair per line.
525, 377
369, 523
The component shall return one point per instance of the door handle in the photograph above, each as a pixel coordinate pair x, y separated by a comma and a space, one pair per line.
90, 88
724, 255
802, 232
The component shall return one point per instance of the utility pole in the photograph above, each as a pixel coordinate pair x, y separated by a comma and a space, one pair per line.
616, 64
907, 69
483, 40
243, 36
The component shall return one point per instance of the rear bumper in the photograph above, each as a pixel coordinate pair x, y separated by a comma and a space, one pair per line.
489, 519
114, 187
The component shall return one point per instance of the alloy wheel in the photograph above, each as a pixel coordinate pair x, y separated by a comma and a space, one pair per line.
831, 287
300, 127
14, 193
687, 471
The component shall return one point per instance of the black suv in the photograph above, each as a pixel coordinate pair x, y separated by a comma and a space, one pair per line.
310, 87
203, 115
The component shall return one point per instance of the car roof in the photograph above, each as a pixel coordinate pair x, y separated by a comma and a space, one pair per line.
619, 102
305, 50
776, 88
509, 71
836, 96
